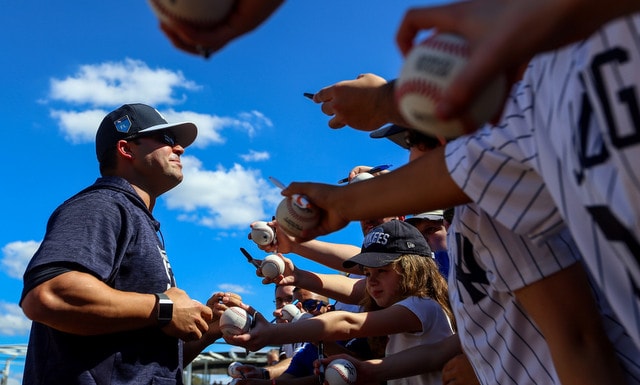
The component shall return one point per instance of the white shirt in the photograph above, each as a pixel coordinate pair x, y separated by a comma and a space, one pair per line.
567, 155
435, 327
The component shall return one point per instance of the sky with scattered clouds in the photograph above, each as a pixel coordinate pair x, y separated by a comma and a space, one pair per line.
68, 64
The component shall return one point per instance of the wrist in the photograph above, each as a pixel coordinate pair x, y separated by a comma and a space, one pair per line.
266, 375
164, 309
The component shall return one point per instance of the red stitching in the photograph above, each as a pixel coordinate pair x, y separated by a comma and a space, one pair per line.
420, 87
438, 43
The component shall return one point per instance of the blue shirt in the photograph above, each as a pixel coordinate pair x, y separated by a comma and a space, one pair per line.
107, 231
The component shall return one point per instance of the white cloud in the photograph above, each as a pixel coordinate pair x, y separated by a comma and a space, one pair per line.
79, 126
12, 320
108, 85
255, 156
222, 198
231, 287
112, 83
16, 256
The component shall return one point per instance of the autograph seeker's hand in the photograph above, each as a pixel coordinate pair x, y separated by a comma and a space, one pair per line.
325, 197
504, 35
245, 16
366, 103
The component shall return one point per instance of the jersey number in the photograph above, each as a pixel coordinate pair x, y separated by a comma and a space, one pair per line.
625, 96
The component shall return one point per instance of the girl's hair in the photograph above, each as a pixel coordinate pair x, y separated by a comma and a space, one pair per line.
420, 277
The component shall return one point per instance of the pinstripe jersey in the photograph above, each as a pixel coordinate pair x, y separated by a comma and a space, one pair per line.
567, 153
489, 263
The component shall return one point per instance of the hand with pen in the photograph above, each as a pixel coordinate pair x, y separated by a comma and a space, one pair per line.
377, 170
365, 103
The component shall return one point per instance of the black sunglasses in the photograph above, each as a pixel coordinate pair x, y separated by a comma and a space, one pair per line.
164, 137
311, 305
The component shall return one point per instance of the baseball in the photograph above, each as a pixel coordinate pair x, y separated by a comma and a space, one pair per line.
272, 266
340, 372
427, 72
200, 14
296, 214
234, 321
301, 316
289, 312
232, 369
360, 177
261, 233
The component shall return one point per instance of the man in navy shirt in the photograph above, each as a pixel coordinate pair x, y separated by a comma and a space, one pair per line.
100, 290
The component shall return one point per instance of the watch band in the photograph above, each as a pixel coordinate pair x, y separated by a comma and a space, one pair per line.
165, 309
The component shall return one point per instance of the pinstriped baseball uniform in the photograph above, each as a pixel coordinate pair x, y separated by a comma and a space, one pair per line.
567, 153
489, 263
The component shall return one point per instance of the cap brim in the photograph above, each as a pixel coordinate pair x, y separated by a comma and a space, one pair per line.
426, 218
371, 260
185, 132
393, 132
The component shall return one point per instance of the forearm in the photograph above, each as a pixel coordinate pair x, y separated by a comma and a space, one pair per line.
407, 190
78, 303
338, 287
193, 348
563, 307
329, 254
415, 361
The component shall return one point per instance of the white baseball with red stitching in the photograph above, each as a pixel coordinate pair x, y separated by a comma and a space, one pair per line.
295, 215
427, 72
272, 266
202, 14
234, 320
341, 372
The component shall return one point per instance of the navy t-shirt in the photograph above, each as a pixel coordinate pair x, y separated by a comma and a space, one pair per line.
107, 231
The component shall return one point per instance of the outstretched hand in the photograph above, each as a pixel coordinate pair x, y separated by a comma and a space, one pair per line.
245, 16
504, 36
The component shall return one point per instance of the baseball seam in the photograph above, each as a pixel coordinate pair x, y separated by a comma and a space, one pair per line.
342, 375
420, 87
293, 214
460, 49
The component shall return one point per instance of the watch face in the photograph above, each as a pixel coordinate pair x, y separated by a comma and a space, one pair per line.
165, 309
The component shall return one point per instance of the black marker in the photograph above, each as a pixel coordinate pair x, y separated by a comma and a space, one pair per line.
308, 95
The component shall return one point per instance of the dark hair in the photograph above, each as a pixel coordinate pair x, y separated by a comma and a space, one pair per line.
108, 162
416, 138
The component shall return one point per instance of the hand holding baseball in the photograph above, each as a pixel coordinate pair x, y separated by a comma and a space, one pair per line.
326, 198
190, 318
244, 16
365, 369
255, 338
504, 36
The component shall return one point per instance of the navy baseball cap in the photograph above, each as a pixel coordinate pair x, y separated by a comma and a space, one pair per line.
393, 132
387, 242
132, 119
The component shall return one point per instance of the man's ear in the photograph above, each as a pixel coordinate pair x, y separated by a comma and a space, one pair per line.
124, 149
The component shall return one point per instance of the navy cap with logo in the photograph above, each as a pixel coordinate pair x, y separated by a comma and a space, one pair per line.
130, 120
387, 242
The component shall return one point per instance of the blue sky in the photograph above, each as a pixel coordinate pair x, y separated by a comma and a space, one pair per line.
66, 64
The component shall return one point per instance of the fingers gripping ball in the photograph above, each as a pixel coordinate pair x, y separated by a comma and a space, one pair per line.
289, 312
272, 266
199, 14
301, 316
234, 321
427, 72
262, 234
296, 214
232, 369
340, 372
